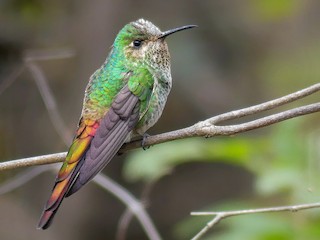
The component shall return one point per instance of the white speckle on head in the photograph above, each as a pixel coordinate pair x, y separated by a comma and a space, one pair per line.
147, 27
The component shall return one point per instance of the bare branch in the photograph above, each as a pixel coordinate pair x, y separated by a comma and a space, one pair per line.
221, 215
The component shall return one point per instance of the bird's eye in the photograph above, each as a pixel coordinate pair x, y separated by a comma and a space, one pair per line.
137, 43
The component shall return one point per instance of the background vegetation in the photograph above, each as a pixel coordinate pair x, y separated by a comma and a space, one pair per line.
243, 53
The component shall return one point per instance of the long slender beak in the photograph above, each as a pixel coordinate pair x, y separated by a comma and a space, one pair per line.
169, 32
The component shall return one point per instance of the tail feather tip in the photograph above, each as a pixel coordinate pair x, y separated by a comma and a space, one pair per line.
45, 220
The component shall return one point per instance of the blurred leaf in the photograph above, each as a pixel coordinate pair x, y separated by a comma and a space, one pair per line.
286, 165
278, 180
270, 10
30, 10
161, 159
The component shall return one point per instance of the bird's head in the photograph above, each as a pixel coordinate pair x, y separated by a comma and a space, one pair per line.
143, 43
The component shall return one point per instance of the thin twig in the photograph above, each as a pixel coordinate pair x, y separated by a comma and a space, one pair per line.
133, 204
46, 54
7, 82
123, 224
221, 215
261, 122
23, 178
49, 101
266, 105
127, 216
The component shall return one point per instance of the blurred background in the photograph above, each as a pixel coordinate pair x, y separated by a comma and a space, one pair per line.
243, 53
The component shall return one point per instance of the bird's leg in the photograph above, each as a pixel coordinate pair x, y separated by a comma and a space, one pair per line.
141, 138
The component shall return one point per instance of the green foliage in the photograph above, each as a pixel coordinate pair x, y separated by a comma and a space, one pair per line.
161, 159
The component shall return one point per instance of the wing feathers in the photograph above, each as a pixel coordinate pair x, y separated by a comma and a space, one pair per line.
111, 134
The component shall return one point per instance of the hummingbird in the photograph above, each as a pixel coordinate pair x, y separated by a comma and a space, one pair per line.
123, 99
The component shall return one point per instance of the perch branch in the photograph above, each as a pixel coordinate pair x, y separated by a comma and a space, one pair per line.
206, 128
33, 161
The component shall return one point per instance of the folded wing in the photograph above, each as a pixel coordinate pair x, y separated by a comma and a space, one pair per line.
110, 136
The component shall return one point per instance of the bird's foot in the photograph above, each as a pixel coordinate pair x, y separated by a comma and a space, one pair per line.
143, 142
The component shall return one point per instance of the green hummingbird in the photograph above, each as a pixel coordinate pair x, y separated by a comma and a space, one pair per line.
123, 99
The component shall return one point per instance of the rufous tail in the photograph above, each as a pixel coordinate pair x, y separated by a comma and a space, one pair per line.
69, 170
